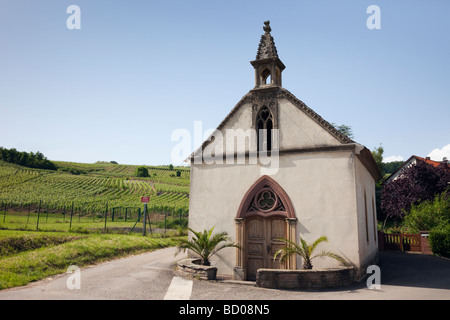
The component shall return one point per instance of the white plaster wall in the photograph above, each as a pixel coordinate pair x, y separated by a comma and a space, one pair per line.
321, 187
241, 120
324, 201
368, 237
214, 199
298, 130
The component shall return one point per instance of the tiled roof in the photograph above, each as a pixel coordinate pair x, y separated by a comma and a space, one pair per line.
429, 161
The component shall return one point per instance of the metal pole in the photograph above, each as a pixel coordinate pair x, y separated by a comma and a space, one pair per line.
71, 214
28, 217
39, 212
106, 214
4, 214
79, 213
46, 219
165, 221
144, 227
149, 223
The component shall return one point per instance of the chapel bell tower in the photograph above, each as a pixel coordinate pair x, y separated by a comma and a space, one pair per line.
268, 66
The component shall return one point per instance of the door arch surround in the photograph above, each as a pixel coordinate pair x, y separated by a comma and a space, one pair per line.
264, 215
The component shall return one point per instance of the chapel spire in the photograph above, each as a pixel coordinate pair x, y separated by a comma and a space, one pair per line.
268, 66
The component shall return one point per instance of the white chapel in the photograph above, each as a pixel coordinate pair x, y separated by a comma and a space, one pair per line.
275, 169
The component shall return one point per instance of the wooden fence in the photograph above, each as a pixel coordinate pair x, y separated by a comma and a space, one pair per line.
404, 242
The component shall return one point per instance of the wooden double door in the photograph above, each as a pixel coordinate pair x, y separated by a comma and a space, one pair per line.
262, 242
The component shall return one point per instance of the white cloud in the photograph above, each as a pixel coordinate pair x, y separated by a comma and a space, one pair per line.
438, 154
392, 158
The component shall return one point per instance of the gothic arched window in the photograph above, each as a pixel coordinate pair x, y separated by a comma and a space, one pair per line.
264, 126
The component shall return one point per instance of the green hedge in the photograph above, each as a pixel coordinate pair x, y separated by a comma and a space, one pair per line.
440, 241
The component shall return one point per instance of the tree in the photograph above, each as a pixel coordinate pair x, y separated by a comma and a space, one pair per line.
377, 154
39, 156
205, 244
344, 129
141, 171
430, 214
306, 251
30, 160
391, 167
416, 183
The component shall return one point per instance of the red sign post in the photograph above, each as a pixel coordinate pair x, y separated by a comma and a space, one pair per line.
144, 229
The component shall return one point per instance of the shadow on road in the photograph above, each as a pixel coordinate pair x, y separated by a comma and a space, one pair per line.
414, 270
409, 270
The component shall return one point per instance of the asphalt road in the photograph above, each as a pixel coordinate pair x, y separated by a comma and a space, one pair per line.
150, 276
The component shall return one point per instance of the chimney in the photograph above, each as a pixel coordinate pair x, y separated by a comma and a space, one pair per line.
427, 158
444, 160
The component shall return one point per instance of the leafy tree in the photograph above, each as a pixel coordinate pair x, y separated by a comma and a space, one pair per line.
142, 172
377, 154
170, 166
417, 183
391, 167
429, 214
344, 129
39, 156
205, 244
25, 159
306, 251
178, 173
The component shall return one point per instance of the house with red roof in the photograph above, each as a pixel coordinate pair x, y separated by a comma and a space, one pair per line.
412, 161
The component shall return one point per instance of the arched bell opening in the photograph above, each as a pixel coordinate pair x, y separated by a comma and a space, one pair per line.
266, 77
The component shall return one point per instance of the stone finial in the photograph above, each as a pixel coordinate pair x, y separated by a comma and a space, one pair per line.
266, 47
266, 27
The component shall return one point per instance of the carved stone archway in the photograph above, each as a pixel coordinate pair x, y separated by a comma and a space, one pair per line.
265, 215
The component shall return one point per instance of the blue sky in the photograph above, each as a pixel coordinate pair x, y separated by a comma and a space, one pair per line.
118, 87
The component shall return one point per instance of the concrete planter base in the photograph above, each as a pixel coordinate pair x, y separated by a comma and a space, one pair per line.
191, 268
305, 279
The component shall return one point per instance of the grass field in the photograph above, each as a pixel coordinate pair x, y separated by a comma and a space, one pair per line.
80, 211
32, 221
31, 256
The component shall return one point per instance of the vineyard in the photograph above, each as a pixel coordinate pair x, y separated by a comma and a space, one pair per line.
92, 191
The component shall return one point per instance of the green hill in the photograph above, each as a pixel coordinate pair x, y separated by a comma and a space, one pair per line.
90, 185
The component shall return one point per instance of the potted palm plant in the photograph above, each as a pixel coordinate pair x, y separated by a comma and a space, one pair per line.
204, 244
306, 251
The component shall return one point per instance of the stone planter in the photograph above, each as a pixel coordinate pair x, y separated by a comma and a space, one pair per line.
191, 268
305, 279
